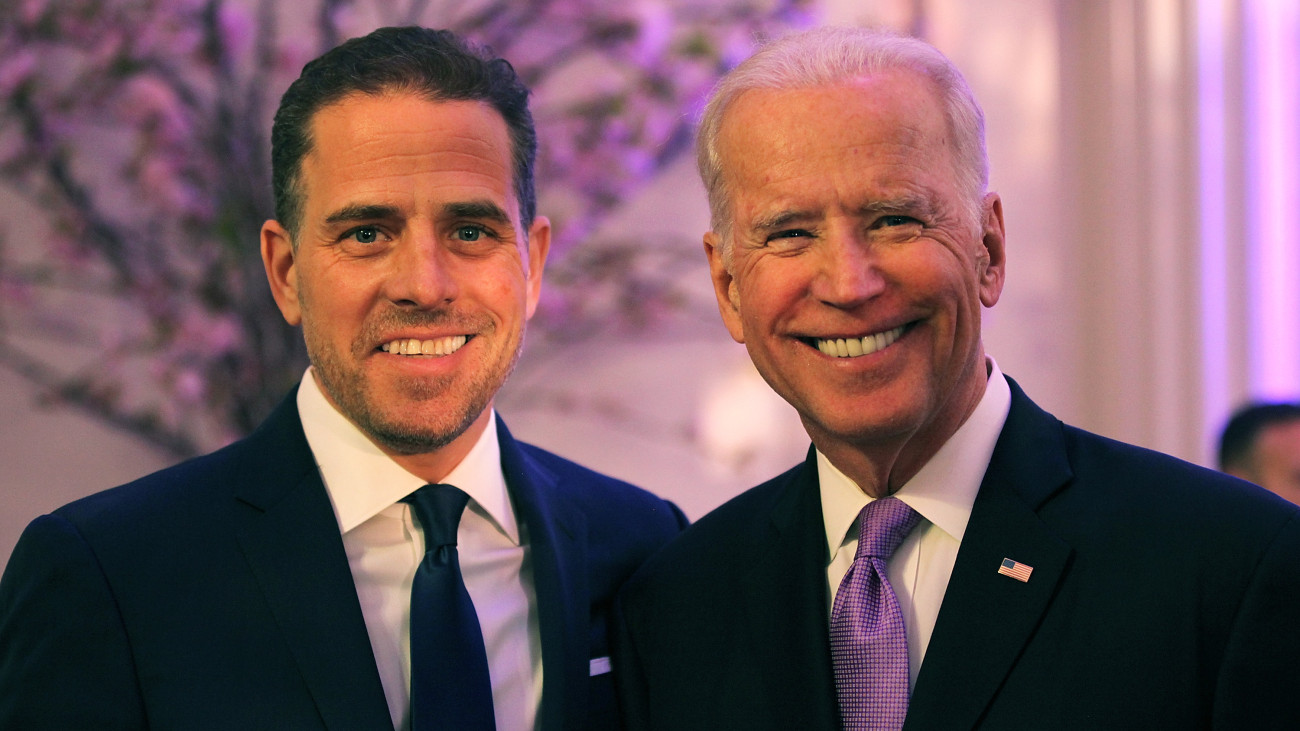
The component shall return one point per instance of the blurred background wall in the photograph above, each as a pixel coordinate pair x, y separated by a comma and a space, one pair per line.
1148, 156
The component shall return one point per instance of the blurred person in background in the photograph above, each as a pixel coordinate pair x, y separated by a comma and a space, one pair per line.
1261, 443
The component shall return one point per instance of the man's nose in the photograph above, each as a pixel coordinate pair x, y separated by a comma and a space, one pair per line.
848, 271
422, 273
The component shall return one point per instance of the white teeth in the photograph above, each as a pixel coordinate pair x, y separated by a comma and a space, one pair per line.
853, 347
441, 346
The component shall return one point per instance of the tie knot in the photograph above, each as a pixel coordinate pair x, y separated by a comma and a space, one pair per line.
438, 508
882, 526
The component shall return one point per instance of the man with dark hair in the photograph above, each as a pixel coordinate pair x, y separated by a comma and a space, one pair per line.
443, 68
1261, 444
949, 555
380, 553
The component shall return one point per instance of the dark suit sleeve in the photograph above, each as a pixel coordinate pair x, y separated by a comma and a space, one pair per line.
65, 662
1259, 683
679, 517
629, 682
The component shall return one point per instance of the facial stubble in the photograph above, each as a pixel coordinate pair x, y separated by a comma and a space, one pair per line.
440, 415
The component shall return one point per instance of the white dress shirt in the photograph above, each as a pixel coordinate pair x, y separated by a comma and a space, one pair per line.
943, 492
384, 546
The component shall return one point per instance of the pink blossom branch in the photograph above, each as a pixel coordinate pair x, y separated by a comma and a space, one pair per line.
83, 396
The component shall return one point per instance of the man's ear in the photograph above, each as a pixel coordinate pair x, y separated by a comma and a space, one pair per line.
539, 245
992, 264
279, 259
724, 287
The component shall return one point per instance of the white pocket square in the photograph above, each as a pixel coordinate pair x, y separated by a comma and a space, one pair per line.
600, 666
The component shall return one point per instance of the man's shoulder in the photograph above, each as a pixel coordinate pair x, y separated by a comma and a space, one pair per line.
182, 488
196, 487
147, 533
1097, 453
584, 486
1105, 480
568, 471
755, 508
728, 535
1134, 475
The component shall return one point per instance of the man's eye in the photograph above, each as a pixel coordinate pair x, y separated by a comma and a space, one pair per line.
890, 221
364, 235
469, 233
790, 233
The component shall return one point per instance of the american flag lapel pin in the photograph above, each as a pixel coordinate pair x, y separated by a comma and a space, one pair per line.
1015, 569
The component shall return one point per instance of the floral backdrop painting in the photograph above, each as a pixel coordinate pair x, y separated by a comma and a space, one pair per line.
136, 133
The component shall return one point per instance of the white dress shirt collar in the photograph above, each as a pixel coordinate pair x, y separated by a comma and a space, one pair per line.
943, 491
362, 481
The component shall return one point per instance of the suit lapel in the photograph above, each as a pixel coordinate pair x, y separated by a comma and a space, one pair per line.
557, 539
291, 540
987, 618
785, 606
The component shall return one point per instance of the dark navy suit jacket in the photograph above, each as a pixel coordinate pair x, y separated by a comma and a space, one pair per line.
216, 594
1162, 596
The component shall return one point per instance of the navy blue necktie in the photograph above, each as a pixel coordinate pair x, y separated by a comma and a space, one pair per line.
450, 686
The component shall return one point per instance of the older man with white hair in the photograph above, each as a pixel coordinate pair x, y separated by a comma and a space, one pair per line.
949, 555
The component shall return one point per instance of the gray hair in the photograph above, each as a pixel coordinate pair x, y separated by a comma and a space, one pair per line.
825, 57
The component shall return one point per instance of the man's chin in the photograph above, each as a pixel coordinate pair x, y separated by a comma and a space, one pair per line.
863, 420
410, 439
409, 445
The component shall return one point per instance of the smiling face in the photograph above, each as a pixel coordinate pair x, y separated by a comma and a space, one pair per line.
857, 270
411, 276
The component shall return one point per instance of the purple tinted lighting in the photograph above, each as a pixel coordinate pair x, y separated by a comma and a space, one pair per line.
1273, 62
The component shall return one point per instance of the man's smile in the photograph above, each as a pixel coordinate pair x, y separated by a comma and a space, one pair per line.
854, 347
435, 347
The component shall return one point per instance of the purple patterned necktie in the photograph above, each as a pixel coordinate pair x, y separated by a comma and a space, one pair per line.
868, 641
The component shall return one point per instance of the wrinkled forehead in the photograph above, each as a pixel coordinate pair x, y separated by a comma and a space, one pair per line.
894, 107
882, 127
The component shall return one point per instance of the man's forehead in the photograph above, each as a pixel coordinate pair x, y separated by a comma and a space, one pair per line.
771, 127
891, 89
784, 144
364, 144
363, 116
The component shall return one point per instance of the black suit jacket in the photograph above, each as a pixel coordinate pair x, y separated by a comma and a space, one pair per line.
216, 594
1162, 596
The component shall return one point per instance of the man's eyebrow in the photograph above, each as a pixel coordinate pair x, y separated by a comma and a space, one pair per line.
482, 210
913, 203
780, 220
361, 212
